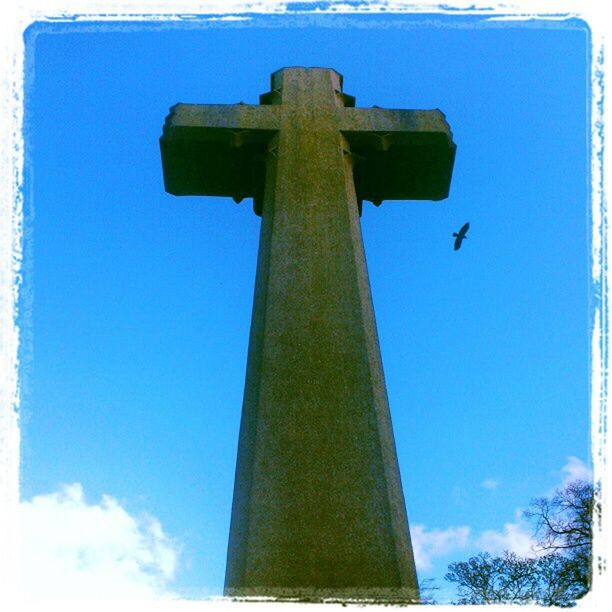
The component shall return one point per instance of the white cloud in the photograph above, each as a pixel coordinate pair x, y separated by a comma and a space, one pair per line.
436, 543
489, 483
515, 537
72, 549
575, 469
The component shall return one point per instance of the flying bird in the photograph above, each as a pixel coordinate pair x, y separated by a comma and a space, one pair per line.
460, 235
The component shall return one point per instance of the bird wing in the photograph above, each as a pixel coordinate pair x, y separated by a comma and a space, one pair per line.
464, 229
458, 241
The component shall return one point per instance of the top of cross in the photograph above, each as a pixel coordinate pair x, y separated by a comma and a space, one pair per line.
221, 149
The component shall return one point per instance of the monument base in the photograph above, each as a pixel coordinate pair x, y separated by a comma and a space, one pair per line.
360, 595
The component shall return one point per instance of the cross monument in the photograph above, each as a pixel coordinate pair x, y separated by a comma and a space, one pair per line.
318, 509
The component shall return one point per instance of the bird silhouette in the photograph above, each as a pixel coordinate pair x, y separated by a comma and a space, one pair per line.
460, 235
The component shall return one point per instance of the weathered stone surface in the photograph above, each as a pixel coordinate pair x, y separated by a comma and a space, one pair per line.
220, 149
217, 150
318, 505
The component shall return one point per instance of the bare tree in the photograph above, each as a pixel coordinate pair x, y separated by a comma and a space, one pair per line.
484, 579
558, 575
564, 524
427, 588
565, 521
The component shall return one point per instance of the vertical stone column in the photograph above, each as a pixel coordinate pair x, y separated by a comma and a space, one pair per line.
318, 505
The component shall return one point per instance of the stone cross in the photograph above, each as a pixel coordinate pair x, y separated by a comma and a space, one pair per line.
318, 508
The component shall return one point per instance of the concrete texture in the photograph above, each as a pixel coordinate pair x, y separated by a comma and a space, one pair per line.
318, 505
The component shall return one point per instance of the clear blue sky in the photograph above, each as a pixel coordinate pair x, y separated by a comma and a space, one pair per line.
137, 331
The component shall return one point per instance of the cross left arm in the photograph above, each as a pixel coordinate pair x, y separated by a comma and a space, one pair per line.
217, 149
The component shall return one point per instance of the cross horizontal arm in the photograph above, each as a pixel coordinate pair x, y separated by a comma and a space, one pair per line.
210, 149
223, 116
393, 120
401, 154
